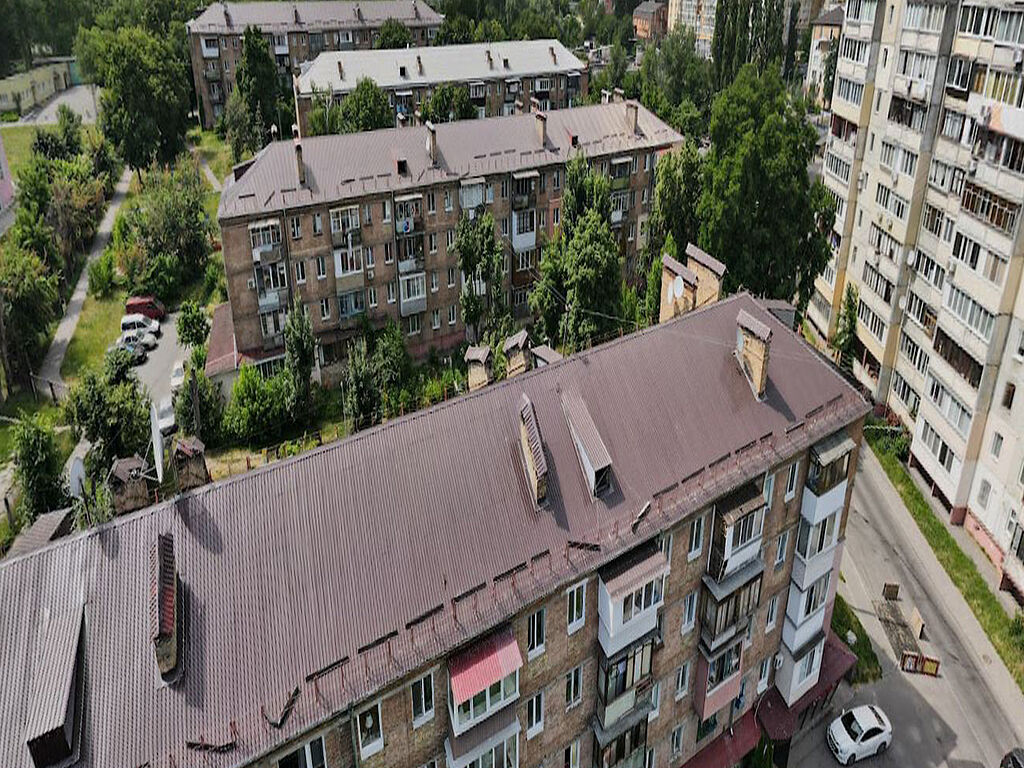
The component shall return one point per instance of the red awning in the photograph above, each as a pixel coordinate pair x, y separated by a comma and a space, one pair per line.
780, 721
726, 749
483, 664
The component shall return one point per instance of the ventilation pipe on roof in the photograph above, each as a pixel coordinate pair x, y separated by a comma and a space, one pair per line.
542, 127
554, 56
165, 608
532, 443
478, 360
190, 463
359, 12
419, 63
295, 14
632, 111
341, 70
432, 142
415, 9
606, 96
490, 59
753, 340
127, 483
709, 273
300, 166
227, 16
516, 349
618, 95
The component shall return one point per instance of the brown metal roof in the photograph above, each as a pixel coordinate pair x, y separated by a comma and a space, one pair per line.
221, 355
705, 259
546, 353
480, 354
676, 268
515, 341
750, 323
340, 167
233, 18
399, 545
583, 428
128, 468
44, 529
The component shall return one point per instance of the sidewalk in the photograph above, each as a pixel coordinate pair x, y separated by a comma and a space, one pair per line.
7, 218
969, 546
50, 369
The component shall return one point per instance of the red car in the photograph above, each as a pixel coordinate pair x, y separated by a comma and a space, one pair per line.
149, 306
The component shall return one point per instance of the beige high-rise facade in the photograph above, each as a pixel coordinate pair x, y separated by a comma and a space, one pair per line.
926, 160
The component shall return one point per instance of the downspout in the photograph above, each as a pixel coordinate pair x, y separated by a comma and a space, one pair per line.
352, 732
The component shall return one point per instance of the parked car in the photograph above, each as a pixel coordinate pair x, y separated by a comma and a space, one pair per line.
150, 306
141, 338
858, 733
177, 376
140, 323
1013, 759
136, 351
165, 417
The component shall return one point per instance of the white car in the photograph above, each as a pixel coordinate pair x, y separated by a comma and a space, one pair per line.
177, 376
140, 323
137, 338
165, 417
858, 733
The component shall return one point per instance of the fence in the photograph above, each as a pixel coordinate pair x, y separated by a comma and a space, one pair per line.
41, 387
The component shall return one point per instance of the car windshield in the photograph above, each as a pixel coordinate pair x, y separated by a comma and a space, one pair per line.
851, 725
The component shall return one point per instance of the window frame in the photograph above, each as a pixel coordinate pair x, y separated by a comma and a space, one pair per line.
535, 648
426, 715
575, 624
371, 748
535, 712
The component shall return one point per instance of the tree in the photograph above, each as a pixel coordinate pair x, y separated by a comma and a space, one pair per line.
450, 101
361, 395
677, 193
38, 468
651, 308
240, 129
199, 407
846, 329
109, 409
455, 30
489, 31
390, 359
480, 259
145, 101
547, 296
192, 326
593, 283
584, 190
258, 409
617, 64
366, 108
828, 77
258, 83
759, 212
325, 116
393, 34
299, 356
30, 304
788, 67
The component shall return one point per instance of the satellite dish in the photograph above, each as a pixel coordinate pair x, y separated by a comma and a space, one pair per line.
677, 287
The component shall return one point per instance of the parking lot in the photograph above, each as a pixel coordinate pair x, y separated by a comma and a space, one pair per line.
155, 373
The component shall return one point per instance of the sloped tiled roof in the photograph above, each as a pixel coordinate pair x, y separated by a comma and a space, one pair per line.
311, 15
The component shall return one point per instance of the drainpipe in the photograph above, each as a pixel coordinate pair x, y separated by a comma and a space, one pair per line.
352, 732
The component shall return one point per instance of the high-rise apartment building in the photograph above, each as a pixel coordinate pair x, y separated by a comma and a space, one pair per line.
697, 16
926, 160
625, 558
364, 224
296, 33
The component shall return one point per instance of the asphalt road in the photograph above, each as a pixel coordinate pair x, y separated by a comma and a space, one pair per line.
973, 712
78, 97
155, 373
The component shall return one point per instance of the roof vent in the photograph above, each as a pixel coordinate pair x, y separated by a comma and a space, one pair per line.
554, 56
678, 289
165, 607
533, 449
419, 63
341, 70
632, 111
506, 64
53, 733
431, 142
359, 12
516, 348
594, 457
403, 72
227, 16
479, 361
490, 59
295, 14
753, 339
403, 166
128, 484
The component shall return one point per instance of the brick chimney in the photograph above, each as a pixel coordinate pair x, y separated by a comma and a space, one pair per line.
541, 121
300, 167
341, 69
516, 349
753, 342
632, 110
478, 360
490, 59
678, 289
431, 142
618, 95
554, 56
127, 483
606, 96
419, 63
709, 271
190, 463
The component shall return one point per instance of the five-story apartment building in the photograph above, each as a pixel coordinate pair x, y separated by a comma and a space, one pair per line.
364, 224
501, 78
296, 33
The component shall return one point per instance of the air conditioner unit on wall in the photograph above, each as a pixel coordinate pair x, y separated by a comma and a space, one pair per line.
778, 661
251, 284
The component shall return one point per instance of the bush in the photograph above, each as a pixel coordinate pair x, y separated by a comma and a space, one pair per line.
9, 117
211, 407
102, 275
38, 468
215, 285
258, 410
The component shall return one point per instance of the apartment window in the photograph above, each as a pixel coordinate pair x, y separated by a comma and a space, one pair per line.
391, 292
321, 268
871, 321
677, 741
771, 613
423, 700
656, 699
689, 611
905, 393
746, 529
970, 312
576, 611
938, 447
535, 634
300, 272
984, 490
431, 203
309, 755
782, 544
504, 188
371, 737
432, 242
791, 477
318, 224
556, 180
696, 538
435, 318
814, 598
763, 673
385, 211
682, 680
997, 444
371, 295
574, 687
649, 761
555, 216
1008, 395
414, 324
325, 309
447, 199
768, 487
572, 755
296, 223
648, 596
433, 281
348, 261
452, 314
535, 715
504, 227
809, 664
368, 255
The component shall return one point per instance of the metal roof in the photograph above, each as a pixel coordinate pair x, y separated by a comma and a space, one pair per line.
480, 354
584, 430
673, 266
340, 167
311, 16
705, 259
517, 340
397, 546
832, 447
436, 64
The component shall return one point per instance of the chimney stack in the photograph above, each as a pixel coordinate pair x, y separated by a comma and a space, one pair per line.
542, 127
415, 9
190, 463
419, 63
632, 111
606, 96
300, 166
478, 360
127, 483
554, 56
432, 142
709, 271
516, 349
490, 59
618, 95
753, 342
678, 289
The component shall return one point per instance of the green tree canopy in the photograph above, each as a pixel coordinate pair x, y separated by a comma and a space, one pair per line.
299, 357
207, 423
241, 131
449, 101
846, 328
258, 410
455, 30
366, 108
593, 283
677, 193
30, 304
480, 260
361, 396
38, 468
325, 116
393, 34
258, 83
828, 77
192, 326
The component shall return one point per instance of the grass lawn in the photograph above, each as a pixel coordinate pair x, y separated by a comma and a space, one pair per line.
1003, 631
98, 328
867, 668
214, 150
18, 143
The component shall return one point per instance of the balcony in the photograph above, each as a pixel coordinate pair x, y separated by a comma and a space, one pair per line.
212, 73
625, 749
736, 536
728, 604
718, 680
347, 236
807, 570
266, 254
825, 490
524, 230
478, 91
216, 97
413, 290
483, 680
211, 50
410, 254
273, 341
630, 591
346, 282
805, 612
408, 214
272, 298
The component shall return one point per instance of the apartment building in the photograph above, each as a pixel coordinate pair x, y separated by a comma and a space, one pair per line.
563, 569
650, 20
498, 75
697, 16
926, 159
825, 32
364, 224
296, 32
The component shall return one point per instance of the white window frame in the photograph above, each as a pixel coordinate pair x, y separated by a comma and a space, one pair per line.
535, 715
325, 309
531, 633
682, 680
696, 525
370, 748
782, 544
572, 754
435, 318
574, 687
764, 674
791, 478
575, 623
306, 750
300, 272
771, 614
426, 715
321, 268
677, 740
656, 698
689, 622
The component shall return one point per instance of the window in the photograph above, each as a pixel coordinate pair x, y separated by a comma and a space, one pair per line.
318, 224
665, 545
300, 272
555, 216
724, 667
414, 324
484, 703
771, 613
433, 281
615, 676
938, 447
576, 612
649, 761
504, 227
763, 673
874, 324
812, 539
696, 538
391, 292
371, 295
535, 715
574, 687
325, 309
747, 529
656, 699
689, 612
984, 490
435, 318
556, 180
447, 199
296, 223
432, 240
810, 663
970, 312
371, 737
677, 741
423, 700
791, 477
431, 203
452, 314
1008, 394
449, 239
997, 444
348, 261
572, 755
814, 598
310, 755
682, 680
643, 599
782, 543
535, 634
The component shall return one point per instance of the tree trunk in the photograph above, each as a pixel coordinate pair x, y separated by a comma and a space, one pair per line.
4, 359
